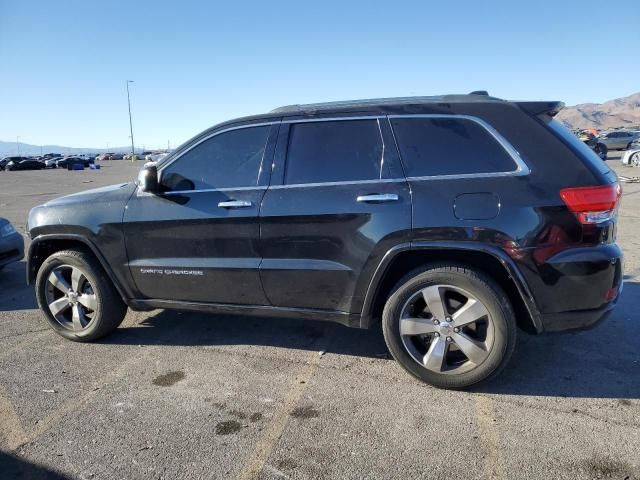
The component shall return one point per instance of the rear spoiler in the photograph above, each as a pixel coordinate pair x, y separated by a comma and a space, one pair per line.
539, 108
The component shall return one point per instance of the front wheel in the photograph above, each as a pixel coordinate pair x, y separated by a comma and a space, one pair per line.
77, 298
634, 160
450, 326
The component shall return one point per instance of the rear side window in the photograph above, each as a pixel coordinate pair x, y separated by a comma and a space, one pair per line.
334, 151
449, 146
578, 146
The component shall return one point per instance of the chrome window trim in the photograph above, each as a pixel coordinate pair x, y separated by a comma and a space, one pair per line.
205, 190
329, 184
521, 167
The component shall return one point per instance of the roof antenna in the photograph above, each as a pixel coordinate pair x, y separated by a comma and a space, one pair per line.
480, 92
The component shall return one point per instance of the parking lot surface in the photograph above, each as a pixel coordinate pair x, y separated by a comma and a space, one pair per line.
190, 395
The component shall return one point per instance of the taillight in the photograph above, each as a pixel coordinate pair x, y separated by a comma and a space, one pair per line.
592, 204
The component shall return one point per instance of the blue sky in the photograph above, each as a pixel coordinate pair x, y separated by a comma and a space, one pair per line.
64, 63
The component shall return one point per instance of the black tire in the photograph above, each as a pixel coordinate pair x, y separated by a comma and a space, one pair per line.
110, 310
602, 150
485, 290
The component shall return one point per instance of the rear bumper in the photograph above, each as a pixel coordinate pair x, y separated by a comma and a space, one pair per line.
11, 249
577, 320
577, 287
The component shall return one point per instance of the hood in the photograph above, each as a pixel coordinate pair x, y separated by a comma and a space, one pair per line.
83, 213
87, 195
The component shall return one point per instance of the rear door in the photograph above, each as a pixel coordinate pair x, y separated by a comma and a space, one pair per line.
198, 241
338, 201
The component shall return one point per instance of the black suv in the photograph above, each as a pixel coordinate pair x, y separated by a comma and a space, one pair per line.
453, 220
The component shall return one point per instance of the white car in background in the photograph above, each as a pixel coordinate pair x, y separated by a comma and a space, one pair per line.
632, 156
156, 156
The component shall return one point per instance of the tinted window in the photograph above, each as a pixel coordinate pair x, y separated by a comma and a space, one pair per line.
230, 159
449, 146
578, 146
334, 151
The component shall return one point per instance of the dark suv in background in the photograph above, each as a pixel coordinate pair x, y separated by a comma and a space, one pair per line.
453, 220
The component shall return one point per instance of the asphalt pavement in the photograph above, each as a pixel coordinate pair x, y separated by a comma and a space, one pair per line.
189, 395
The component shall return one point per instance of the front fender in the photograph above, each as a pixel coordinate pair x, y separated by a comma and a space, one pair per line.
44, 245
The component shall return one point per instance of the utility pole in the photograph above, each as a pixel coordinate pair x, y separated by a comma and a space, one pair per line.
18, 144
130, 121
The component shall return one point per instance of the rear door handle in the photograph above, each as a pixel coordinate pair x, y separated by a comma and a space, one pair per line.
378, 198
235, 204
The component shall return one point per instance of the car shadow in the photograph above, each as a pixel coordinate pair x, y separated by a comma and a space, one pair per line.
198, 329
16, 294
13, 467
603, 362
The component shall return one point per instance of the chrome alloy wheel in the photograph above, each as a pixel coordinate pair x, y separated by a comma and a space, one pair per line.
70, 297
446, 329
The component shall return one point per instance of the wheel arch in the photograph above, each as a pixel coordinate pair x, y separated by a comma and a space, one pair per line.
404, 258
43, 246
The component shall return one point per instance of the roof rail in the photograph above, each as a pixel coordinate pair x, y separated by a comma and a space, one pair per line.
313, 107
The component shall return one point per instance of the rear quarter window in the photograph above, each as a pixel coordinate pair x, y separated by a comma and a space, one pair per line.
449, 146
578, 146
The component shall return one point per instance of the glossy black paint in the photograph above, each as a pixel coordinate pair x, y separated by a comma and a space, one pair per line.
320, 245
313, 251
93, 218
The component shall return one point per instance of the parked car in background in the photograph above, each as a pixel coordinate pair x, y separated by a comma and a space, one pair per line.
50, 162
116, 156
632, 155
156, 156
104, 156
617, 139
591, 140
11, 244
65, 162
27, 164
453, 240
4, 161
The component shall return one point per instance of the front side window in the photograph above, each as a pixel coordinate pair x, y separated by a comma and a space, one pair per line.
334, 151
449, 146
230, 159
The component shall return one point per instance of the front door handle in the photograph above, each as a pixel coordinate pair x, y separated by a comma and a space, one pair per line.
378, 198
235, 204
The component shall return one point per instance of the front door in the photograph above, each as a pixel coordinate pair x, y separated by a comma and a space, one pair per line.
337, 203
198, 240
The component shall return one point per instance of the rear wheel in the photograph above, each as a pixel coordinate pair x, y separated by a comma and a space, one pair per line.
634, 160
77, 298
601, 150
450, 326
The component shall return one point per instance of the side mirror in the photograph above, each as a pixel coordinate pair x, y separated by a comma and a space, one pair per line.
148, 178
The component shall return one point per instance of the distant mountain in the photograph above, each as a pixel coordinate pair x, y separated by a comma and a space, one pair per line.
10, 148
621, 112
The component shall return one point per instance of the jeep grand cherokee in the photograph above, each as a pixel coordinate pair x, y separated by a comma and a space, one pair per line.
453, 220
